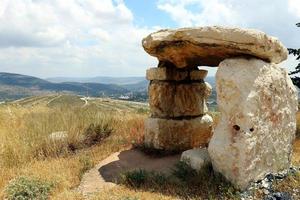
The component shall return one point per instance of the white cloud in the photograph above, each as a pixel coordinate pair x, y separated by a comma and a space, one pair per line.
211, 12
100, 34
71, 38
93, 37
276, 17
294, 7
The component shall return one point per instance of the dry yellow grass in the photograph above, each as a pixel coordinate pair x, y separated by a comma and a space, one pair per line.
26, 149
298, 124
296, 152
125, 193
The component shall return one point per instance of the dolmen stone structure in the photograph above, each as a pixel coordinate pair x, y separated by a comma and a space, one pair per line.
255, 97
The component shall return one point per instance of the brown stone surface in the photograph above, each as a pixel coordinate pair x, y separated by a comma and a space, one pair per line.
169, 99
196, 75
208, 46
171, 135
164, 73
172, 74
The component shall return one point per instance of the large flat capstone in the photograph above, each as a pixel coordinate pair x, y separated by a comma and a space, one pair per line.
258, 104
208, 46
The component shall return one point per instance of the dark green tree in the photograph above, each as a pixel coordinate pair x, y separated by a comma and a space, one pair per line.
295, 52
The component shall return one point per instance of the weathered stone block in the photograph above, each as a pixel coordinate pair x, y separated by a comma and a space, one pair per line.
173, 74
197, 159
169, 134
196, 75
168, 99
258, 105
163, 73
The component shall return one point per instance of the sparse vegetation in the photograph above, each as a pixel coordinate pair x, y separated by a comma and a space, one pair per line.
140, 177
183, 183
135, 178
290, 185
183, 171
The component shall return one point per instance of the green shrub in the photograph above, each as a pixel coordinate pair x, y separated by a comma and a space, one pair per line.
141, 177
28, 188
96, 133
135, 178
206, 179
183, 171
158, 178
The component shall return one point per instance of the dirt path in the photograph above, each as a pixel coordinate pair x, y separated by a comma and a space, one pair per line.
105, 174
54, 98
85, 99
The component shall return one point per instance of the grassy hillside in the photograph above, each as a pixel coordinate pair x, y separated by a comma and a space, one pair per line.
14, 86
94, 128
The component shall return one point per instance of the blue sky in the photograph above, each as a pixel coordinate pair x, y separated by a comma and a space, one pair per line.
146, 13
86, 38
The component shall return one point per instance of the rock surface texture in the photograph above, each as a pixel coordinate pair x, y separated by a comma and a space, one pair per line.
176, 135
173, 74
168, 99
208, 46
258, 103
197, 159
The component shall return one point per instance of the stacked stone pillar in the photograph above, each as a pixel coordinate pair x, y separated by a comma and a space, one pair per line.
179, 118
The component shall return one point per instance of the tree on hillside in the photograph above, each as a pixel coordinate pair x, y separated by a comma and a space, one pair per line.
296, 52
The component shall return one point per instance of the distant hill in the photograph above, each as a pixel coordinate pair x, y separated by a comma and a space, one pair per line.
141, 86
138, 83
99, 79
14, 86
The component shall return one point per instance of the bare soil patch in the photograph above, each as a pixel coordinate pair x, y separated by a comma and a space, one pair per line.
105, 175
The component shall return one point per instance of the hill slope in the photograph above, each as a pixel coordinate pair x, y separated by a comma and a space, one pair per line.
13, 86
98, 79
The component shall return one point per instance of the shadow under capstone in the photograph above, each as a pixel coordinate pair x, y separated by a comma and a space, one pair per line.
133, 159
